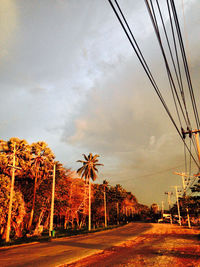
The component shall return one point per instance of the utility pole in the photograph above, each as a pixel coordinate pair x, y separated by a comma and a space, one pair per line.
179, 216
117, 204
162, 205
11, 194
52, 200
190, 132
183, 175
104, 194
169, 203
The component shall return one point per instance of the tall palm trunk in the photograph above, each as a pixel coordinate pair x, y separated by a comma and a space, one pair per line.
33, 205
88, 171
89, 217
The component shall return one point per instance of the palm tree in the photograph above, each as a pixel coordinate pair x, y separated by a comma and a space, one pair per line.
40, 165
89, 170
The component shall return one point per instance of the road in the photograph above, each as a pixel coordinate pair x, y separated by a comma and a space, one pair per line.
66, 250
162, 245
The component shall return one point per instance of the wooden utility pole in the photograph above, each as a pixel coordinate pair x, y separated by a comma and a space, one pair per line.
179, 215
52, 200
169, 203
183, 175
162, 205
190, 132
197, 141
11, 194
105, 215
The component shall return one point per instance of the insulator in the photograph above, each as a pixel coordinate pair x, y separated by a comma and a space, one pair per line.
183, 133
190, 132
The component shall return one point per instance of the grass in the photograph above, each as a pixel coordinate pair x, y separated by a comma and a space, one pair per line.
58, 234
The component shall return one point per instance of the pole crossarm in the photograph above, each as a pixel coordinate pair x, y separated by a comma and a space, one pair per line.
190, 132
186, 175
18, 168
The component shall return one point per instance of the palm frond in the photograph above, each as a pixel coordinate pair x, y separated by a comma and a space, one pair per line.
82, 161
80, 170
90, 156
98, 164
93, 175
95, 156
86, 158
96, 169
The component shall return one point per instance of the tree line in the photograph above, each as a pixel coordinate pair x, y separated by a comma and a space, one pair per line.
32, 195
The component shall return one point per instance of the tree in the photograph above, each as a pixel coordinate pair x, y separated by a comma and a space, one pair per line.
41, 164
18, 208
8, 152
154, 210
89, 170
23, 155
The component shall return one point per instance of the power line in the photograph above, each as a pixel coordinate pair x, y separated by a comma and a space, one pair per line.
172, 84
145, 66
189, 81
170, 77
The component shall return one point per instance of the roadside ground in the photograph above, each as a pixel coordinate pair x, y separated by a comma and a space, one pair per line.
162, 245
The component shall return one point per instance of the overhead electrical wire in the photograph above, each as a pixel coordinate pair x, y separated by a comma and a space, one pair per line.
178, 63
180, 75
179, 79
152, 14
189, 81
140, 56
171, 81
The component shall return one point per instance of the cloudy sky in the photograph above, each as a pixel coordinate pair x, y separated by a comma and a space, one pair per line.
69, 77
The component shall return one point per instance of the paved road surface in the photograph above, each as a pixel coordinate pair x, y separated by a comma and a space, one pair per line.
162, 245
66, 250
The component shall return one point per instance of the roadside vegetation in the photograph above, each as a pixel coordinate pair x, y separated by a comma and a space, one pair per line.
79, 205
31, 205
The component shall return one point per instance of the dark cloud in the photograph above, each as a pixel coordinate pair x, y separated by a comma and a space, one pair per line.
123, 119
69, 76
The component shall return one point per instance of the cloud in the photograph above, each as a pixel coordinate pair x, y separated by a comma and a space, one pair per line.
69, 76
9, 20
123, 120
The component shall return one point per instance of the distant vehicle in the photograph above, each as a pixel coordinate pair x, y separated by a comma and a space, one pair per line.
176, 219
165, 218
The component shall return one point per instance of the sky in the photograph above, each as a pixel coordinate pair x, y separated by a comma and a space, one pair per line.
69, 77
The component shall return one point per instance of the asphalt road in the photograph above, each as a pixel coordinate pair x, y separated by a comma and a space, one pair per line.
66, 250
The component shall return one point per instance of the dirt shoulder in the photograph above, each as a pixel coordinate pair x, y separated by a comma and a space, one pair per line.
162, 245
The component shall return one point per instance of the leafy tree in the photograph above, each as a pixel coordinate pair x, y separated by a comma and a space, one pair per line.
196, 187
23, 155
89, 170
18, 208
